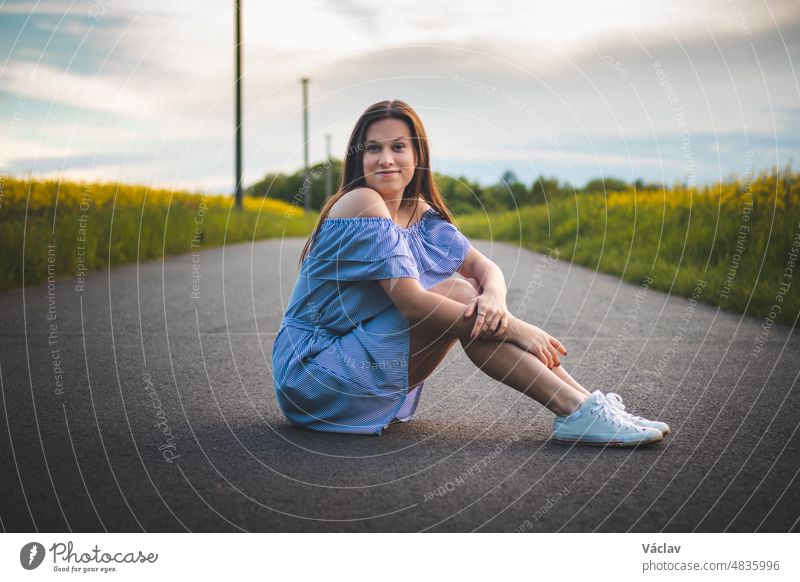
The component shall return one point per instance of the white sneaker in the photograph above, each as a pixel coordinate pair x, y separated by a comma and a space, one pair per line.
616, 401
597, 422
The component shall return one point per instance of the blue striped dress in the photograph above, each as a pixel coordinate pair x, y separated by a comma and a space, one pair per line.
340, 359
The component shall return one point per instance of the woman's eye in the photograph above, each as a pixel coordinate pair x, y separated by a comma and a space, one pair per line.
375, 148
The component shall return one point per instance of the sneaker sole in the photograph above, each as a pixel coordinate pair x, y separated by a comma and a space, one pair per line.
564, 441
663, 432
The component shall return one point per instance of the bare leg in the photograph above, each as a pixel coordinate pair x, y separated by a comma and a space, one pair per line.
430, 346
524, 372
505, 361
564, 375
559, 370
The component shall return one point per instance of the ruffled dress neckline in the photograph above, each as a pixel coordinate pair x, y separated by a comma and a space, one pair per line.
422, 218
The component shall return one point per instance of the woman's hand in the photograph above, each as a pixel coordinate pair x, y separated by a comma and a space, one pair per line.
493, 316
538, 342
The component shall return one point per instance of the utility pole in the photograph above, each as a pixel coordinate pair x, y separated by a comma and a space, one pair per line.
328, 169
238, 82
306, 184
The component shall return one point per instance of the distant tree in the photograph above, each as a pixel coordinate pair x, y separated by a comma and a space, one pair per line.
546, 190
289, 187
461, 196
507, 193
509, 178
605, 185
640, 184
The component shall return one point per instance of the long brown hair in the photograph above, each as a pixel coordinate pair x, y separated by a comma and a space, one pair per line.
421, 184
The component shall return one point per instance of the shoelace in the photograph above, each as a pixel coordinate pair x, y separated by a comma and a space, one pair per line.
608, 411
616, 401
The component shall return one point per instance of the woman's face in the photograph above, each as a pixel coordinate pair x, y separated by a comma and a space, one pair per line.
389, 157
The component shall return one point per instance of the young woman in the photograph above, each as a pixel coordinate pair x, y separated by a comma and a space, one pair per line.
375, 309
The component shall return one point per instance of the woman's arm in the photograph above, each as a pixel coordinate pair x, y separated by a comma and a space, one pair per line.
492, 298
417, 304
483, 270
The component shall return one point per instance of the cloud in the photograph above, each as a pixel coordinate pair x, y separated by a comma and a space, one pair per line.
25, 149
61, 87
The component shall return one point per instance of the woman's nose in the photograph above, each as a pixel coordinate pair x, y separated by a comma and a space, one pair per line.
385, 159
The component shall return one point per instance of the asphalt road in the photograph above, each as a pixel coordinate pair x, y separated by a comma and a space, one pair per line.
130, 405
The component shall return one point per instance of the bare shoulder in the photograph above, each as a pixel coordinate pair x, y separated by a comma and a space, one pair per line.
360, 202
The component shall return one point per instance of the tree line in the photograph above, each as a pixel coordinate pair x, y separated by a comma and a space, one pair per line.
463, 196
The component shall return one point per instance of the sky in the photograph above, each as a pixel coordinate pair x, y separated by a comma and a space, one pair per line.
142, 92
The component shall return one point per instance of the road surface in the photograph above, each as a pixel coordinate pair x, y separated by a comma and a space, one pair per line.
143, 401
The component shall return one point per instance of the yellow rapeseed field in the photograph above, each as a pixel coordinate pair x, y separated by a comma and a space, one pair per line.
93, 224
45, 194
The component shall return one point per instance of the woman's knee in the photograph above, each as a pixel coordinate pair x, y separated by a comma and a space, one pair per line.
462, 290
474, 283
457, 290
